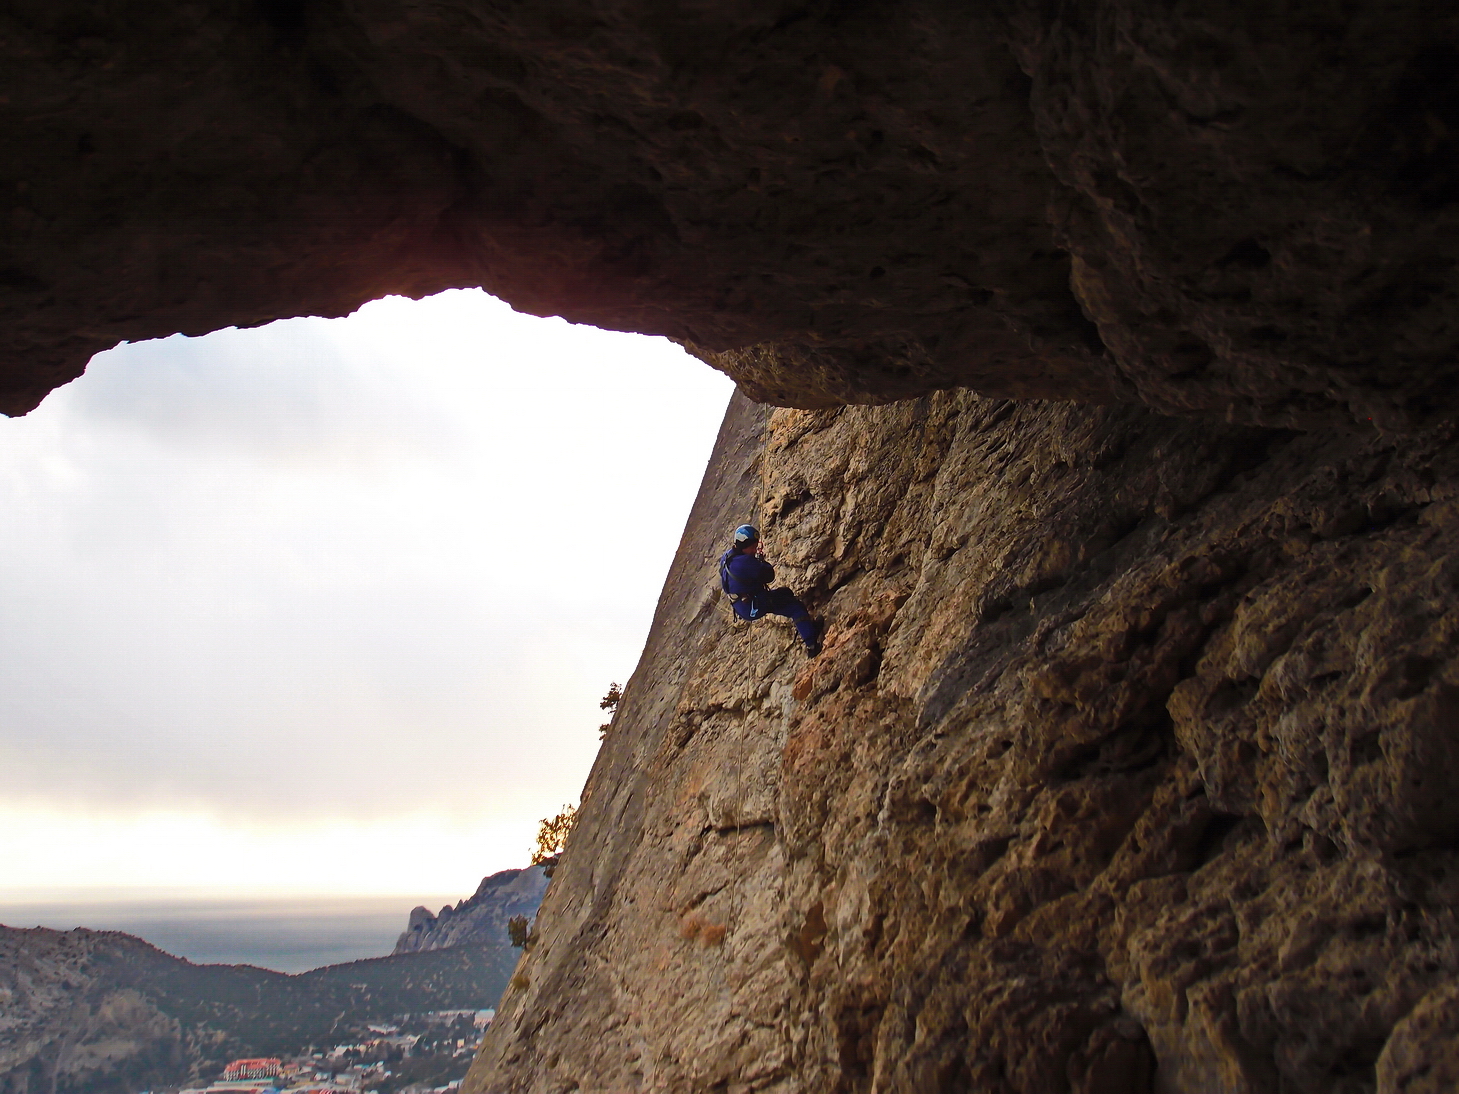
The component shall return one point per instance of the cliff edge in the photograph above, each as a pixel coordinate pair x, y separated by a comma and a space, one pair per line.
1128, 766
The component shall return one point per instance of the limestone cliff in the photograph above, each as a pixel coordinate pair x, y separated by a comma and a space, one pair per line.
480, 919
1128, 766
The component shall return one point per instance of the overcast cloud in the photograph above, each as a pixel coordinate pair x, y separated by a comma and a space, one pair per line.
325, 583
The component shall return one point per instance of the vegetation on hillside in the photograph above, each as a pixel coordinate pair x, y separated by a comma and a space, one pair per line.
171, 1022
610, 703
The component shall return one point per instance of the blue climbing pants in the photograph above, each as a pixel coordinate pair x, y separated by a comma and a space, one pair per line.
778, 602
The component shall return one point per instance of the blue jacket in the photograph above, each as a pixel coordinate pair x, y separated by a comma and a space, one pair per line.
744, 575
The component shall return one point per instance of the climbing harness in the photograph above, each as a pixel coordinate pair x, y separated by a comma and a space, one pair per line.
754, 612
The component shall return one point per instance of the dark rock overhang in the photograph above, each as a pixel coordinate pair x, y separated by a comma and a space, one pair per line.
1208, 208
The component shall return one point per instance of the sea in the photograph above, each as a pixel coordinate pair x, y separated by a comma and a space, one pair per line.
285, 934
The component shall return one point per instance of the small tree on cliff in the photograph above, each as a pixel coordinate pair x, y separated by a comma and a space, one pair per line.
517, 929
552, 838
609, 703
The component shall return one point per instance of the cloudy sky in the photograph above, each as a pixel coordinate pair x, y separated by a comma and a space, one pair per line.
327, 606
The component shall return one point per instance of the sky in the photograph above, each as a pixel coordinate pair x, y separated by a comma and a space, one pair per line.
327, 606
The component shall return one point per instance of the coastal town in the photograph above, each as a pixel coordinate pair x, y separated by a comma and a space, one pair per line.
412, 1054
409, 1022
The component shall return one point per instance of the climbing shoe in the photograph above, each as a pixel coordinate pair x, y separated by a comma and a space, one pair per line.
813, 644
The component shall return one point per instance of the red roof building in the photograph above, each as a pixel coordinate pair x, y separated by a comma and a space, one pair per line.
264, 1067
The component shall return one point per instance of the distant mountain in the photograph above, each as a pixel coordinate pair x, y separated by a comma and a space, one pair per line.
479, 920
101, 1012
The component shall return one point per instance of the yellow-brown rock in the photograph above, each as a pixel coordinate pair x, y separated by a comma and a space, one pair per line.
1128, 766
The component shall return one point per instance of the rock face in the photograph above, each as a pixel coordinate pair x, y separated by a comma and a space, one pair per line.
480, 919
1128, 766
1199, 206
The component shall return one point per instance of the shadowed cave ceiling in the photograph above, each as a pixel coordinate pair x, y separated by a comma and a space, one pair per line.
1233, 208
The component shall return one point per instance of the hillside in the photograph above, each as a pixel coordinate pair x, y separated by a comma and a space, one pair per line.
93, 1012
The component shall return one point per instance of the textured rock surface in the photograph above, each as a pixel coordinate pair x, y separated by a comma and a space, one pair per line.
480, 919
1128, 766
1218, 206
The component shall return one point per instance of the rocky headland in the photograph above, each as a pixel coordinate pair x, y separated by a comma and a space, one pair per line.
480, 919
1123, 340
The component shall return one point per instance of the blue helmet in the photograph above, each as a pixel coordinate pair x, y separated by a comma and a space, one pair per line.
744, 534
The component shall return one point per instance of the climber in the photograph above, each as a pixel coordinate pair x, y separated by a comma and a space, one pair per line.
744, 575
